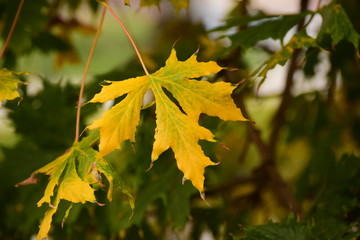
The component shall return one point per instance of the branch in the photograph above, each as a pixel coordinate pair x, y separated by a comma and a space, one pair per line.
128, 35
267, 172
91, 53
279, 118
286, 97
276, 182
12, 28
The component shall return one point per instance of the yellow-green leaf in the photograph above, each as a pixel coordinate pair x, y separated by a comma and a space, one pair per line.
175, 129
119, 123
337, 24
55, 169
73, 188
64, 175
46, 222
298, 41
72, 176
9, 84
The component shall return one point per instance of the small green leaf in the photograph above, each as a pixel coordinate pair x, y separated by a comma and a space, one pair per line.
299, 40
274, 28
114, 179
337, 24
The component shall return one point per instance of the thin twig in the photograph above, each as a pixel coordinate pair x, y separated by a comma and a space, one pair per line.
279, 118
268, 169
81, 92
277, 183
12, 28
128, 35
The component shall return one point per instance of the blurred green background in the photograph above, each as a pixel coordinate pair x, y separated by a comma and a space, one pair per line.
291, 174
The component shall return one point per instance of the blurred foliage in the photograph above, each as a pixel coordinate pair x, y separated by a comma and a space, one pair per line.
292, 174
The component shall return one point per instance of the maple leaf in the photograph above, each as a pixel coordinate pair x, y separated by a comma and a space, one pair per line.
298, 41
72, 177
9, 84
337, 24
175, 129
261, 28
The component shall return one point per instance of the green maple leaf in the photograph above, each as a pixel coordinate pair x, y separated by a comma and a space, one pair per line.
298, 41
175, 129
337, 24
274, 27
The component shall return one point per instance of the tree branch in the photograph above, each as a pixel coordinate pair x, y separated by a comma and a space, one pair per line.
81, 92
268, 171
12, 28
279, 118
268, 168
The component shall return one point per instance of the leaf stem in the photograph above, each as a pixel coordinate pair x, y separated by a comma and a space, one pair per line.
82, 86
128, 35
12, 28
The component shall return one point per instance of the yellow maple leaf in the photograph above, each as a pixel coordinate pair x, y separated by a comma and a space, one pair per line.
64, 174
45, 225
176, 130
9, 84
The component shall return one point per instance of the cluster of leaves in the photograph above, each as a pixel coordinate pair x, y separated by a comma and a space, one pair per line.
335, 26
312, 130
176, 130
75, 173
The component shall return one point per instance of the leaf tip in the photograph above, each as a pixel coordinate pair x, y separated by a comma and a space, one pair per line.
31, 180
176, 41
183, 180
150, 167
224, 146
197, 51
99, 204
133, 147
231, 69
202, 195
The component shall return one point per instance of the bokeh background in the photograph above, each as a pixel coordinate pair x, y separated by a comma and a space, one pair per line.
292, 173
